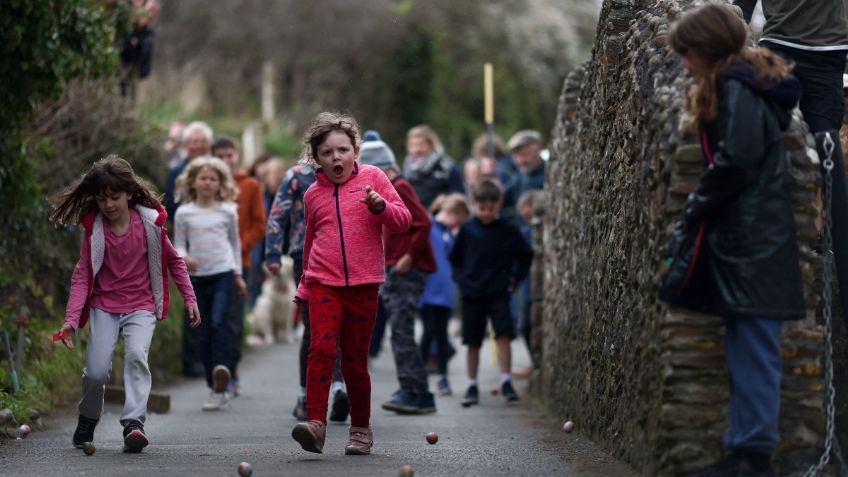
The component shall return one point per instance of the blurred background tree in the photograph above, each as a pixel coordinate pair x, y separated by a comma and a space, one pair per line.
392, 63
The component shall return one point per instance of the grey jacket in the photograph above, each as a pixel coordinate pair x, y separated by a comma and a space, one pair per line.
813, 25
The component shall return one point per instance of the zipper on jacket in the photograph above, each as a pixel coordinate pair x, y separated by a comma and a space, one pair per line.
341, 234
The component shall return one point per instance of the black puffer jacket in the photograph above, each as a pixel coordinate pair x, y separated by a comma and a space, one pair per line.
748, 262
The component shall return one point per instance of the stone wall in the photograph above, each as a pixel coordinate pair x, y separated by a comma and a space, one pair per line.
647, 383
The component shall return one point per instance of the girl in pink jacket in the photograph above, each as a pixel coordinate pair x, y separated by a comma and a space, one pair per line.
343, 266
120, 284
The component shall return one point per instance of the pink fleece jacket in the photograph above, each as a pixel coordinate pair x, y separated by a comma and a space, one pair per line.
162, 258
344, 240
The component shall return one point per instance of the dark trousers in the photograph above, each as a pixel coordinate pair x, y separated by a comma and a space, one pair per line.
214, 293
752, 350
137, 51
823, 106
820, 74
340, 316
236, 318
436, 319
304, 342
401, 293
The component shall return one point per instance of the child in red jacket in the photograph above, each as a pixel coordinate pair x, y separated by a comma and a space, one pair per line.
343, 264
409, 258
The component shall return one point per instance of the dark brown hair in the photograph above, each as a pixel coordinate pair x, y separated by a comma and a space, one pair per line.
487, 190
223, 142
716, 35
322, 126
108, 175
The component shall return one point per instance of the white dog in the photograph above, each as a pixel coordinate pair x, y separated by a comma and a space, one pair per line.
272, 316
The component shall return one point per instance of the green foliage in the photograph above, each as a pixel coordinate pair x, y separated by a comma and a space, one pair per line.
50, 376
43, 44
280, 143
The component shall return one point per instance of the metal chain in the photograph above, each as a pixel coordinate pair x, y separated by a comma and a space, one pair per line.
831, 443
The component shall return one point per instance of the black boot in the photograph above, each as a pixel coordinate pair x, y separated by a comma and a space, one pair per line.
755, 464
85, 431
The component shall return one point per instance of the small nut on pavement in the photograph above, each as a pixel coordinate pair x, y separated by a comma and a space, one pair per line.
407, 471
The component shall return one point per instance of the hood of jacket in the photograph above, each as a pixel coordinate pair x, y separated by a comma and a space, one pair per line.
783, 95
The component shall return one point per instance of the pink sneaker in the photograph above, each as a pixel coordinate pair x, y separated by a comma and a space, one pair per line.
360, 441
310, 435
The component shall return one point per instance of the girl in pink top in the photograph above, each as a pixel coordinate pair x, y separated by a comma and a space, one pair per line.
346, 210
121, 284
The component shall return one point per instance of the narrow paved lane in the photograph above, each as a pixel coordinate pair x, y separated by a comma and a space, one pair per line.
488, 440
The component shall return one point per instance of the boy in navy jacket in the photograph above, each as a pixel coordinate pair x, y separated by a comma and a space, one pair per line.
489, 258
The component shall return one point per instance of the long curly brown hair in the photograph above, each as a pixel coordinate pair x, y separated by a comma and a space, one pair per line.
715, 34
108, 175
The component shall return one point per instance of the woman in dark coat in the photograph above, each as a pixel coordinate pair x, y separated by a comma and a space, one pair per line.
738, 223
428, 168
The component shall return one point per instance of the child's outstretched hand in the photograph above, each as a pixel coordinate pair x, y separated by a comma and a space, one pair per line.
66, 336
374, 201
193, 316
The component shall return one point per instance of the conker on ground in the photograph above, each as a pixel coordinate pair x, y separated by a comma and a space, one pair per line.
88, 448
245, 470
407, 471
432, 437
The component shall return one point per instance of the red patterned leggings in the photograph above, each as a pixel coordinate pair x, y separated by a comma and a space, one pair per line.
346, 314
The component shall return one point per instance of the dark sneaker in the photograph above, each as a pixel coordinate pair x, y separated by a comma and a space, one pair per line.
341, 407
472, 397
402, 402
443, 387
299, 412
310, 435
426, 403
509, 392
220, 378
727, 467
85, 431
134, 438
755, 465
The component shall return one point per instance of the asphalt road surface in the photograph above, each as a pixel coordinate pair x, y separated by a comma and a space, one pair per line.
491, 439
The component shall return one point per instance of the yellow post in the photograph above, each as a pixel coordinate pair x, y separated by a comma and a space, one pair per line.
488, 93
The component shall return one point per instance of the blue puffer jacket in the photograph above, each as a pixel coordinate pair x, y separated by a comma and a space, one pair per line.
440, 289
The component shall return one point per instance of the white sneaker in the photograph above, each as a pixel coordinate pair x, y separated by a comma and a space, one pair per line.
215, 401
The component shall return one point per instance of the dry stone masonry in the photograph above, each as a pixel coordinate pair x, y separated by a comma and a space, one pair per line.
646, 382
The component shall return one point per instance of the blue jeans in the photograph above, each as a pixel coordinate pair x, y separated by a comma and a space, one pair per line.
752, 350
214, 293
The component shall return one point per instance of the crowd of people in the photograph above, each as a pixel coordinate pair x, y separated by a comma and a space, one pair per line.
372, 244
